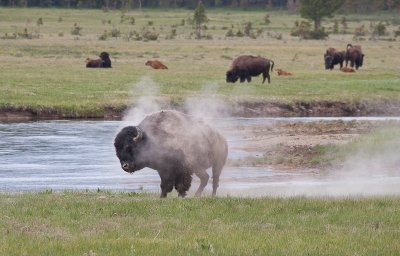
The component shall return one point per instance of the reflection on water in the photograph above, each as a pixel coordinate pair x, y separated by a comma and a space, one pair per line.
79, 155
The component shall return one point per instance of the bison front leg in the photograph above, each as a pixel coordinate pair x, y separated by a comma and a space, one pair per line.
203, 181
182, 183
167, 184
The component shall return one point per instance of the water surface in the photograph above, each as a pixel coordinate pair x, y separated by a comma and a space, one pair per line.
79, 155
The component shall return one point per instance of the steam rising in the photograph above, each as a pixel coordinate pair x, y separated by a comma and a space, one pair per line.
361, 174
144, 98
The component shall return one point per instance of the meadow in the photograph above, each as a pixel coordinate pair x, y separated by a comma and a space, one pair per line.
43, 54
103, 223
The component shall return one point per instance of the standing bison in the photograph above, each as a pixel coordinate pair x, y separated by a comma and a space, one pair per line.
333, 57
176, 146
354, 55
246, 66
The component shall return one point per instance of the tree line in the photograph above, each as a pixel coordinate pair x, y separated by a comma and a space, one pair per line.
354, 6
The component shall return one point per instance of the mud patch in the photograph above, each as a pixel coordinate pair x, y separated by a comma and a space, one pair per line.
236, 109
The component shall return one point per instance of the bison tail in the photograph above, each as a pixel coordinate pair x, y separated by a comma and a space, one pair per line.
272, 66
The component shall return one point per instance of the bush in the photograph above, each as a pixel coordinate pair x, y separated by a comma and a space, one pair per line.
76, 30
380, 29
360, 31
229, 33
303, 30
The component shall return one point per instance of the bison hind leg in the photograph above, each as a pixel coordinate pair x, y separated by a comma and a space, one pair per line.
204, 177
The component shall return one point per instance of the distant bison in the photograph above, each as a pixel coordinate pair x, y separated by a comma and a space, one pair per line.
354, 55
246, 66
176, 145
282, 72
156, 64
103, 62
333, 57
348, 70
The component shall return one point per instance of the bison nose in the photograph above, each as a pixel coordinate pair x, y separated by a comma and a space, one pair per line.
125, 165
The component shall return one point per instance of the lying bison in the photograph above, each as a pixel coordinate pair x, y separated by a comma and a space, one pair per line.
156, 64
176, 145
333, 57
103, 62
354, 55
246, 66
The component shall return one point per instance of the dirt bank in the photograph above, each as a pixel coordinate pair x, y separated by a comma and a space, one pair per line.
296, 145
239, 109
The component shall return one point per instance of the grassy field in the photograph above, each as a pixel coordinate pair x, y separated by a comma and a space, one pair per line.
49, 72
79, 223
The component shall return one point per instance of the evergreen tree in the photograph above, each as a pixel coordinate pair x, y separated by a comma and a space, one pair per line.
199, 18
315, 10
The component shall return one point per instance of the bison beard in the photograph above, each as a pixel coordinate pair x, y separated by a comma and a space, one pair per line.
246, 66
175, 145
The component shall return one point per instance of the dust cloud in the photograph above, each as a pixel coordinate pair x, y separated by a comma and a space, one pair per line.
144, 95
361, 174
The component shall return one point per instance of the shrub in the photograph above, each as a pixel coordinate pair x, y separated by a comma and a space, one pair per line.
229, 33
397, 32
303, 30
360, 31
267, 21
103, 36
115, 32
76, 30
379, 29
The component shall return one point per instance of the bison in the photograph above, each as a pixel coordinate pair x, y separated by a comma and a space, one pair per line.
155, 64
333, 57
246, 66
103, 62
348, 70
282, 72
354, 55
176, 146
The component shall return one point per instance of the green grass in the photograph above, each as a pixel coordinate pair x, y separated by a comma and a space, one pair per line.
87, 223
49, 72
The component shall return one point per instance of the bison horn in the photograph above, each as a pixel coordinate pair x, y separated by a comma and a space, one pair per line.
139, 135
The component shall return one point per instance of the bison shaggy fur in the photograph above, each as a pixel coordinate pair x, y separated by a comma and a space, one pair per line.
355, 55
246, 66
333, 57
176, 146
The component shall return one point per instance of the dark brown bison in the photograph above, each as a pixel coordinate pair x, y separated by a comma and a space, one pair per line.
176, 146
282, 72
246, 66
333, 57
156, 64
103, 62
354, 55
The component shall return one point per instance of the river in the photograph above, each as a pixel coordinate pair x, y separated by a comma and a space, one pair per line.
79, 155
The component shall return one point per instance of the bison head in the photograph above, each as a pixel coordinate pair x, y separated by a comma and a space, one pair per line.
231, 76
105, 57
328, 61
128, 145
